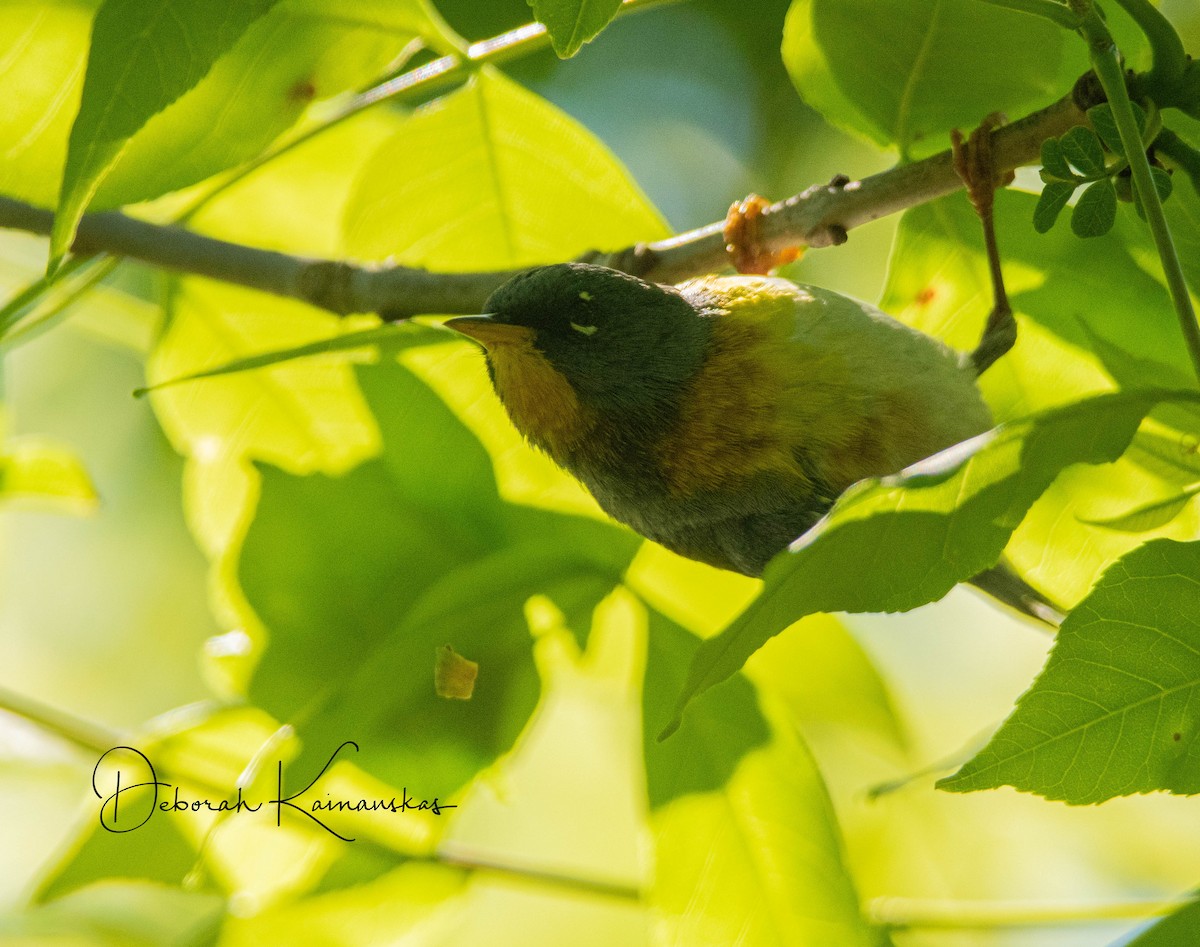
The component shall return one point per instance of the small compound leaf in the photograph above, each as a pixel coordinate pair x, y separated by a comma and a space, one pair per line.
1105, 127
1096, 211
1053, 162
143, 57
1117, 708
1148, 516
1053, 199
954, 513
1081, 147
571, 23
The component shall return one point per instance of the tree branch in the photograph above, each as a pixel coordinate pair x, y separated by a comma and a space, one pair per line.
818, 217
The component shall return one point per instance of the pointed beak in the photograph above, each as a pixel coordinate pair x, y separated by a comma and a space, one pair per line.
488, 332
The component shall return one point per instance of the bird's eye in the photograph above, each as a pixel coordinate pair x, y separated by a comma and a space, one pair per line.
583, 330
586, 296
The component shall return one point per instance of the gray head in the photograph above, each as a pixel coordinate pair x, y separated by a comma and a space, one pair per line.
621, 342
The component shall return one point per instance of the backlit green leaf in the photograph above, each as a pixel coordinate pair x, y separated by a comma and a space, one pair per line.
1115, 710
406, 553
33, 469
142, 58
1149, 516
723, 727
493, 176
954, 513
759, 862
919, 52
571, 23
122, 913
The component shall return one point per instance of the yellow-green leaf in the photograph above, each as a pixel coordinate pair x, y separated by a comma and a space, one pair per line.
494, 176
142, 58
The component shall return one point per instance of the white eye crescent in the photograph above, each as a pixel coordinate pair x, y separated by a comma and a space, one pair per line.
585, 330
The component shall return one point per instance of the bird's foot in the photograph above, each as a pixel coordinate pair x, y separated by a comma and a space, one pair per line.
743, 239
975, 164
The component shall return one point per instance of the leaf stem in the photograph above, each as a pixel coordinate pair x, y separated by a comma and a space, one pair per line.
1047, 9
83, 733
1106, 61
947, 914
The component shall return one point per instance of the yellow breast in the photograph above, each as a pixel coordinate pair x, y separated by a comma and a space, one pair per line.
541, 402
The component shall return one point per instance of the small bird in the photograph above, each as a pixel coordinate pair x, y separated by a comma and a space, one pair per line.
721, 417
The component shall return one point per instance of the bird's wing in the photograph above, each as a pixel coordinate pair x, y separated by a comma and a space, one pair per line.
807, 383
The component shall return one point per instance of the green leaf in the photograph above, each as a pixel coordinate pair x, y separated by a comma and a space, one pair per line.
120, 913
1148, 516
33, 469
1053, 162
142, 58
954, 514
918, 52
1174, 930
1162, 184
1105, 126
44, 45
759, 863
1073, 299
1096, 210
389, 338
1114, 712
1053, 199
494, 176
571, 23
724, 726
301, 52
157, 852
409, 552
1081, 147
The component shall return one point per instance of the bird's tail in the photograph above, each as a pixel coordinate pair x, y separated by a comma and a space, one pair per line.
1008, 588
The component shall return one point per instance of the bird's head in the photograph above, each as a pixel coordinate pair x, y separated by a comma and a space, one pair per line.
575, 337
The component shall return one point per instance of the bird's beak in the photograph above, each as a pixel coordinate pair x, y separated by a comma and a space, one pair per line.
488, 332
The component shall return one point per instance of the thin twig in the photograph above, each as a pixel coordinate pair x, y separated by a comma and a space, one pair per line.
818, 217
409, 88
948, 914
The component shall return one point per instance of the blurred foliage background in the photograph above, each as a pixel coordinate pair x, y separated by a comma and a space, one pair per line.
133, 609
